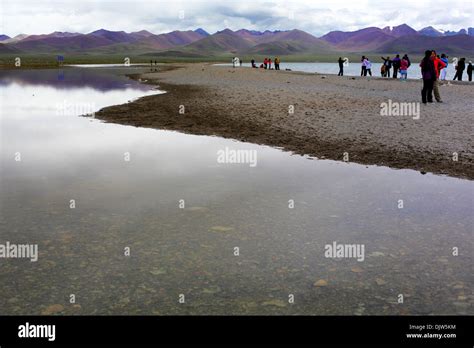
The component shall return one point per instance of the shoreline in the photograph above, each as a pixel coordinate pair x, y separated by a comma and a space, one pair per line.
332, 115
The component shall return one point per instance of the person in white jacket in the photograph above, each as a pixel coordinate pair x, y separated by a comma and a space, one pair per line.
368, 67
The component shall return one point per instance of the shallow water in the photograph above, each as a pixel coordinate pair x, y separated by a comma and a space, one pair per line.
353, 69
190, 250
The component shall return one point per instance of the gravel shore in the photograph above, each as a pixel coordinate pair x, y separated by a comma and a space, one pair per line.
331, 115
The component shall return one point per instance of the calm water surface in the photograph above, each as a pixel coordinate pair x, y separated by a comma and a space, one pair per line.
353, 69
190, 251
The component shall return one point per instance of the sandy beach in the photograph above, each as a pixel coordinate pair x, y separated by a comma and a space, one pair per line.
332, 115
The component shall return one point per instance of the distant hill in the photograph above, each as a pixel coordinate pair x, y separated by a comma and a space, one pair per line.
199, 43
282, 48
79, 43
366, 39
14, 39
430, 31
400, 30
104, 41
113, 36
258, 36
288, 43
458, 44
401, 38
202, 32
144, 44
141, 34
222, 42
56, 34
6, 49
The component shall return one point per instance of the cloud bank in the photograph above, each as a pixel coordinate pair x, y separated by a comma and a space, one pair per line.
317, 18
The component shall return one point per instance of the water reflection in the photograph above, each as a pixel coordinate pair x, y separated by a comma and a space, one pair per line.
191, 251
105, 79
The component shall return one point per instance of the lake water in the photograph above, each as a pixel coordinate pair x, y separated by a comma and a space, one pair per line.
353, 69
85, 191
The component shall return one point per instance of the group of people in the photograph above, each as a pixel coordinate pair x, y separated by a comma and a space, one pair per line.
366, 66
267, 63
460, 67
432, 68
399, 65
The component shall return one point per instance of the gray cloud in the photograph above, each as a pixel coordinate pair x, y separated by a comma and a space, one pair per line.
45, 16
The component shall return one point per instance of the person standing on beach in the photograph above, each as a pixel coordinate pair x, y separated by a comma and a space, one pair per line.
269, 63
444, 71
341, 67
265, 63
438, 65
407, 59
469, 71
460, 69
404, 64
368, 67
428, 74
388, 65
396, 65
277, 63
363, 71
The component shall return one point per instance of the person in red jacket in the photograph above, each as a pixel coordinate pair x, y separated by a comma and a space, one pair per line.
265, 62
404, 64
438, 65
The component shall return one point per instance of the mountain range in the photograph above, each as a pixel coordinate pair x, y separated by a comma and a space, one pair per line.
199, 43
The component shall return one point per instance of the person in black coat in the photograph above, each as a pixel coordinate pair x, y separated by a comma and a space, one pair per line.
429, 76
469, 71
460, 69
341, 66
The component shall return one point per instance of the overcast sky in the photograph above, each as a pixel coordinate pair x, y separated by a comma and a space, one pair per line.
157, 16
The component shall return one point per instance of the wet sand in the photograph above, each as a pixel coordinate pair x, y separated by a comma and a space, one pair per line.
332, 115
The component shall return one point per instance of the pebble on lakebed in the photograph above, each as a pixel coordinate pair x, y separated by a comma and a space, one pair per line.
320, 283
